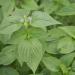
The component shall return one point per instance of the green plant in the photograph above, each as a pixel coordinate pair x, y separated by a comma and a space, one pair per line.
37, 37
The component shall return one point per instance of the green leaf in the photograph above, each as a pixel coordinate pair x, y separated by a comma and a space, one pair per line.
8, 26
9, 29
18, 15
8, 71
52, 63
30, 51
4, 38
1, 15
37, 33
62, 2
71, 73
7, 6
52, 47
55, 73
8, 55
49, 6
67, 59
33, 32
17, 37
67, 10
55, 34
70, 30
45, 71
73, 65
29, 5
42, 19
36, 74
65, 45
64, 69
13, 23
